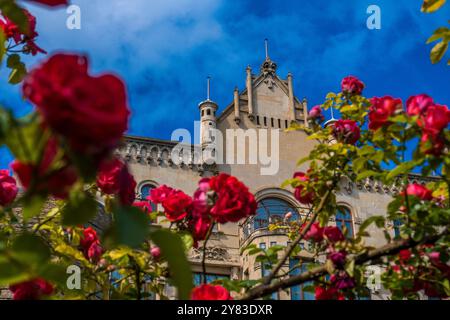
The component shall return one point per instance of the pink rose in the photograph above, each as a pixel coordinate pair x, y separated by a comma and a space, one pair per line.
8, 188
419, 191
316, 114
346, 131
352, 85
418, 104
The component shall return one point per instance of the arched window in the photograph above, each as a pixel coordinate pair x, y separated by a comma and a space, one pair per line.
344, 218
144, 192
271, 210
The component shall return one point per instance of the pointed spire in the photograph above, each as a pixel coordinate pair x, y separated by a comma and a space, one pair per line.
332, 114
268, 66
266, 45
208, 90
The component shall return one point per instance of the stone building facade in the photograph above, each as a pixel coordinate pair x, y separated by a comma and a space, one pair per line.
267, 102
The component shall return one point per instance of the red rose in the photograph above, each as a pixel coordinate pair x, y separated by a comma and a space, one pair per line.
158, 195
418, 104
31, 290
8, 188
233, 200
314, 233
346, 131
52, 3
434, 120
316, 113
419, 191
90, 112
333, 234
322, 293
88, 238
11, 30
94, 252
114, 178
432, 145
199, 228
56, 182
210, 292
127, 183
300, 192
145, 206
405, 255
176, 205
381, 110
90, 245
352, 85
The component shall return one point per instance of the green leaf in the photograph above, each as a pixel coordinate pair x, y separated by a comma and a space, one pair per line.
23, 138
30, 250
369, 221
188, 240
2, 45
403, 168
10, 274
366, 174
15, 14
172, 249
440, 33
350, 267
18, 69
438, 51
130, 227
429, 6
80, 209
33, 207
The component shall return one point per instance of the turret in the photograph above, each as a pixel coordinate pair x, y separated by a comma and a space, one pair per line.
208, 119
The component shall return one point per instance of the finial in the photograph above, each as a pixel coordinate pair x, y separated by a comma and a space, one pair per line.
266, 45
208, 88
332, 114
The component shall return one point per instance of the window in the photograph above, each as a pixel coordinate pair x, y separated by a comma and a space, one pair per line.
286, 124
397, 224
198, 278
203, 113
257, 120
273, 243
344, 218
271, 122
265, 271
265, 121
298, 292
262, 245
279, 123
145, 192
271, 210
208, 112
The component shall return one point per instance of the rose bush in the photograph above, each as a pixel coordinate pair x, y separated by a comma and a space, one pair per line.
72, 183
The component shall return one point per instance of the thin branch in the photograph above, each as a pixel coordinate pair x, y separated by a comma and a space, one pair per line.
204, 253
386, 250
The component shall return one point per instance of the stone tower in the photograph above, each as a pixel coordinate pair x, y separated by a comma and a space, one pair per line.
208, 118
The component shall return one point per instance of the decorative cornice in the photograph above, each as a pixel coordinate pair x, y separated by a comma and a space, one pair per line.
157, 152
212, 253
374, 186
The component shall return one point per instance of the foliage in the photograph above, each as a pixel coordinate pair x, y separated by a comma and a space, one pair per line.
68, 182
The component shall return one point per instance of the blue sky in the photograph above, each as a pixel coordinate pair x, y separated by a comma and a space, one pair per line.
164, 50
